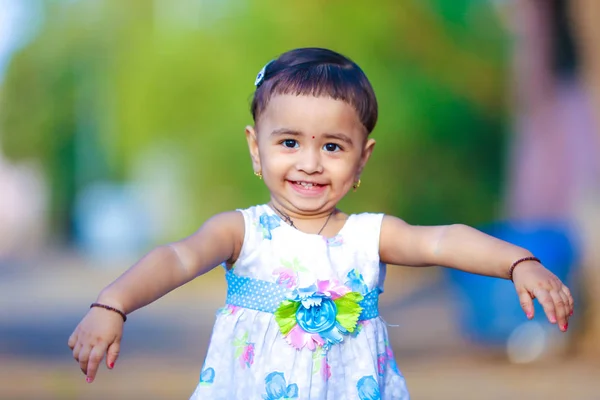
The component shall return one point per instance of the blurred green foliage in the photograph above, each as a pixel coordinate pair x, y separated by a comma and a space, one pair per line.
106, 80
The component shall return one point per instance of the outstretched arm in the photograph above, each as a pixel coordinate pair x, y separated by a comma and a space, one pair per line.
168, 267
467, 249
159, 272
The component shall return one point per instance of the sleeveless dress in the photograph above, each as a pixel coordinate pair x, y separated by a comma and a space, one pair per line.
291, 327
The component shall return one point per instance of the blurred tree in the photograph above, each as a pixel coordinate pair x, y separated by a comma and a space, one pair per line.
106, 81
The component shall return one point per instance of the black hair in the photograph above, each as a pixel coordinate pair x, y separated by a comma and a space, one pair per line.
317, 72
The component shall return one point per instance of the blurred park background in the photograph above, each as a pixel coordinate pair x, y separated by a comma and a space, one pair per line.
121, 127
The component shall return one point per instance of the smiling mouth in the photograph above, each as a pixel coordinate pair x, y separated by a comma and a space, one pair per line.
307, 185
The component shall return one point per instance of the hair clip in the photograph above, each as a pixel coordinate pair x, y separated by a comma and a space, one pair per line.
261, 75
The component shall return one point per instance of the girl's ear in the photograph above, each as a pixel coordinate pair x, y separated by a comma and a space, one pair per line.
253, 147
366, 154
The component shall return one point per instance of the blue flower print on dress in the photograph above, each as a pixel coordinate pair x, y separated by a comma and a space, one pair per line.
336, 241
356, 283
277, 388
267, 224
207, 377
368, 389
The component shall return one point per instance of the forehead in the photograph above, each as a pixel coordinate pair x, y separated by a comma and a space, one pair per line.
312, 114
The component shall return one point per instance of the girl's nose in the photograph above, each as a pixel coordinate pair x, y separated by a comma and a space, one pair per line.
309, 161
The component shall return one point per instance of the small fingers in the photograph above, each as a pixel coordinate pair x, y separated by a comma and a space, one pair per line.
547, 303
567, 306
570, 300
560, 308
76, 349
72, 340
112, 354
526, 303
96, 356
84, 356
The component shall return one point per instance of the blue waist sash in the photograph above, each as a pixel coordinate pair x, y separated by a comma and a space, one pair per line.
256, 294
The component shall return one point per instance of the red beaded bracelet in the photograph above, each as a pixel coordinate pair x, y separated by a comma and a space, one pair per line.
519, 261
121, 313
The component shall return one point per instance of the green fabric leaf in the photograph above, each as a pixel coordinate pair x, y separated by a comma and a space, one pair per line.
238, 352
242, 341
316, 365
348, 310
317, 353
285, 315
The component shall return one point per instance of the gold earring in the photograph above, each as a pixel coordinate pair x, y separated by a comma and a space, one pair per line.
356, 185
259, 174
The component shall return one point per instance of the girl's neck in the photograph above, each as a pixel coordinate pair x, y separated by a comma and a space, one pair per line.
315, 223
300, 215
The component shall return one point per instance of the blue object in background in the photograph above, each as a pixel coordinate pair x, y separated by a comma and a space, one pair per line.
490, 308
111, 223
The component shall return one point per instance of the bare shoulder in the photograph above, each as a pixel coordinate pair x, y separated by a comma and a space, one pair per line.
391, 225
218, 240
228, 221
227, 227
391, 228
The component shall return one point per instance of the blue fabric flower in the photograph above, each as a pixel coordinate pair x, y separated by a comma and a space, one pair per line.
277, 389
333, 335
368, 389
207, 376
317, 314
319, 317
308, 296
268, 223
356, 283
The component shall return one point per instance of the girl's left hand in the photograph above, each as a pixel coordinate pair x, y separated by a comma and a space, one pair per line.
532, 281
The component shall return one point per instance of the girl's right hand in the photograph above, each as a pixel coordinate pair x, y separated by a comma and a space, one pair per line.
98, 333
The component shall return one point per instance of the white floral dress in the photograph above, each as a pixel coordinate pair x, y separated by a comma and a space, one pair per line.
301, 318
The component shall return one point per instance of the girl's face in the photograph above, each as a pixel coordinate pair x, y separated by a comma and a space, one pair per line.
311, 151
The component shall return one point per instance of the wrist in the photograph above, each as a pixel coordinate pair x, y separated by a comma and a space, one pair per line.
107, 299
111, 309
520, 263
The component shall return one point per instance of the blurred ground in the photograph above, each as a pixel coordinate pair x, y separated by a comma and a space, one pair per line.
165, 343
